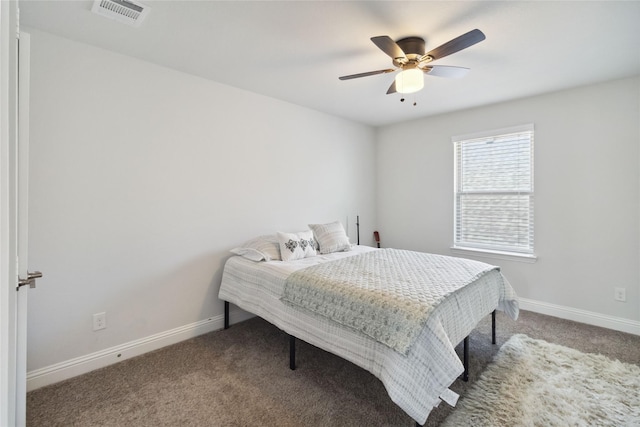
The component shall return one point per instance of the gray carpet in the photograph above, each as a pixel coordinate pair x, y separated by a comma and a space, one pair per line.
240, 377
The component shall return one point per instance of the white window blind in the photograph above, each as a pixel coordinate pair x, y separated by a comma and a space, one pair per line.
494, 191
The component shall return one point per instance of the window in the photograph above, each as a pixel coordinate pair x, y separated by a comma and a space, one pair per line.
494, 191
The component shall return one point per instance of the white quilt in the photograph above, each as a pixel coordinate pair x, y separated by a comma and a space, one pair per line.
413, 381
386, 294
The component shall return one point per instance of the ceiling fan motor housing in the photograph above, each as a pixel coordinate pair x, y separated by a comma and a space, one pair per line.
413, 47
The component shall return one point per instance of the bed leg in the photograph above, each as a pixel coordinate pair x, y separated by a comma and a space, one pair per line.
292, 352
493, 327
465, 359
418, 424
226, 314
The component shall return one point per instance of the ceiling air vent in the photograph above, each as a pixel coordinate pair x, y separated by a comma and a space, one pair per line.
125, 11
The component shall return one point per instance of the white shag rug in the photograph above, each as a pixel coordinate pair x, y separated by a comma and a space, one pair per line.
535, 383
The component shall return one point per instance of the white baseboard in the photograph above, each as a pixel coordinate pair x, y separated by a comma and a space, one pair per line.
582, 316
90, 362
81, 365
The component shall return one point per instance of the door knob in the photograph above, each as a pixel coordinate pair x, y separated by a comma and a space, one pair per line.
30, 280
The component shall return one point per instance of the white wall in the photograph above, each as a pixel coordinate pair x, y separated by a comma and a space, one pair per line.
587, 193
142, 179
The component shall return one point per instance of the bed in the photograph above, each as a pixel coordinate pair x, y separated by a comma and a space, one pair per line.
416, 376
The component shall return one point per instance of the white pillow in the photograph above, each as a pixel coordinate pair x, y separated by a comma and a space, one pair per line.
331, 237
296, 245
263, 248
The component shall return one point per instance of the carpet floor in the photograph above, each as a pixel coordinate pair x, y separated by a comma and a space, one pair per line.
240, 377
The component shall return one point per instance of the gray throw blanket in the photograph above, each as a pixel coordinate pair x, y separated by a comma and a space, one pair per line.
386, 294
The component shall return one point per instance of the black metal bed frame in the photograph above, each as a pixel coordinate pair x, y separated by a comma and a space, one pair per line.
465, 349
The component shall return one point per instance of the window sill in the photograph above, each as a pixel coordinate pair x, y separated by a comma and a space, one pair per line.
509, 256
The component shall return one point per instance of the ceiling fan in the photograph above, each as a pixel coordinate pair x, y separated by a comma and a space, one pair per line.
408, 55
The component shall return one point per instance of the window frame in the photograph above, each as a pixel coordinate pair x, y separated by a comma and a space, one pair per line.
483, 249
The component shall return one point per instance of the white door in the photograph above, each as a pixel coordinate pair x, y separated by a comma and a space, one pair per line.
8, 211
27, 278
14, 127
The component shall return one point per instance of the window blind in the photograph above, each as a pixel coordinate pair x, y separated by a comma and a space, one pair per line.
494, 191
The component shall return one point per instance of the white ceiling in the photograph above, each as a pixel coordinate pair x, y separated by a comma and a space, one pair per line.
295, 50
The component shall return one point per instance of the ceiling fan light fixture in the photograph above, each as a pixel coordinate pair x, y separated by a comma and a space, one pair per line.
410, 81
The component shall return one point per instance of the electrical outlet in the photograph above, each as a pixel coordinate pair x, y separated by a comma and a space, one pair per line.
99, 321
620, 294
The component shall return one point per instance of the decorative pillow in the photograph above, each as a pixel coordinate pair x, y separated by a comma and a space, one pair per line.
296, 245
331, 237
263, 248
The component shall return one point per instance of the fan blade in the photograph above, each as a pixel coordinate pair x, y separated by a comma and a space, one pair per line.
388, 46
392, 88
452, 46
369, 73
446, 71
